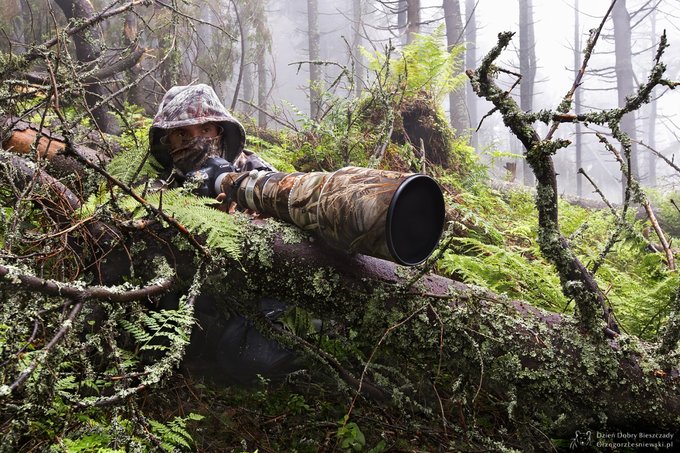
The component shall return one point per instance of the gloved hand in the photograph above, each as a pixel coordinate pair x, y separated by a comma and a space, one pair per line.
209, 177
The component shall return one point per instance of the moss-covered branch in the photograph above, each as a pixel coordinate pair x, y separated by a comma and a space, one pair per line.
577, 282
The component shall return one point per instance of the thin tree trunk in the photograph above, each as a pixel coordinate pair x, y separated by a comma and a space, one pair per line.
261, 89
651, 126
314, 39
357, 40
88, 50
129, 37
454, 31
242, 59
527, 67
170, 69
412, 19
248, 78
402, 19
625, 78
578, 140
471, 62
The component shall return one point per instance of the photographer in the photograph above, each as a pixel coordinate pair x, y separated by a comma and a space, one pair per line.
193, 135
192, 126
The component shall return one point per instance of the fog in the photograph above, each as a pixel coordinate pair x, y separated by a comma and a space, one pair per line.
273, 86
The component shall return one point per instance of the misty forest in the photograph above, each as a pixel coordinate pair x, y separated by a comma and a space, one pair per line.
138, 313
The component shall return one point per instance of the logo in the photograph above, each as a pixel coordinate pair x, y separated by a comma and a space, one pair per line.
581, 439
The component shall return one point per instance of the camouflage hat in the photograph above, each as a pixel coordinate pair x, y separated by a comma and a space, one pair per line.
189, 105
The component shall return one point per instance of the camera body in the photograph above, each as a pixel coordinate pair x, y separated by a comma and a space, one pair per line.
210, 177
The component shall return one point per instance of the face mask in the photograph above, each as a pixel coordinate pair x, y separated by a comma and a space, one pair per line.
193, 152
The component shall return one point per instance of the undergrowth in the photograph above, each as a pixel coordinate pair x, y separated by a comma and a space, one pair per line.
501, 253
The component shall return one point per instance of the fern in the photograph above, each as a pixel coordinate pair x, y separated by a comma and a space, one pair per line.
425, 65
196, 214
161, 330
134, 161
505, 271
174, 434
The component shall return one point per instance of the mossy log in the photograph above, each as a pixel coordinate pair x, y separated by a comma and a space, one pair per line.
515, 360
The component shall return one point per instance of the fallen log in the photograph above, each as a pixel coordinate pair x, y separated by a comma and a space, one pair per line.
28, 139
526, 362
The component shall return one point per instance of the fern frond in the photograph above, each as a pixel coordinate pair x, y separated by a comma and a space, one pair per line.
221, 231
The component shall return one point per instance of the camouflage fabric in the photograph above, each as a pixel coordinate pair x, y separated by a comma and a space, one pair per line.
193, 153
191, 105
387, 214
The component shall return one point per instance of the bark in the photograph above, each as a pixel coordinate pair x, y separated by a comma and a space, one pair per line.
527, 67
412, 19
135, 95
261, 89
454, 33
171, 67
402, 19
21, 137
625, 82
314, 42
242, 59
651, 122
471, 62
88, 50
578, 139
357, 42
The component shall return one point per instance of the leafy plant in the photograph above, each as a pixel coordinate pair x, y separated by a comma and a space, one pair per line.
173, 435
425, 64
161, 330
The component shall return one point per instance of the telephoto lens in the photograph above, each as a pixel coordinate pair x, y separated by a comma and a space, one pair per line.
386, 214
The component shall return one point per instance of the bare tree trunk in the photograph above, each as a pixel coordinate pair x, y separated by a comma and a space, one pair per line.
624, 77
170, 69
412, 19
651, 126
248, 78
402, 19
578, 140
242, 59
527, 67
358, 21
261, 88
88, 50
471, 62
314, 39
454, 31
129, 38
30, 23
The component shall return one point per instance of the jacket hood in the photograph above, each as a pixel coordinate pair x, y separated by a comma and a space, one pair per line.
189, 105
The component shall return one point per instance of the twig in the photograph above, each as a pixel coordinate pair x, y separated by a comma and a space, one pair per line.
28, 371
78, 27
634, 185
565, 105
658, 154
12, 276
660, 234
28, 343
675, 204
148, 206
385, 334
290, 126
599, 192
